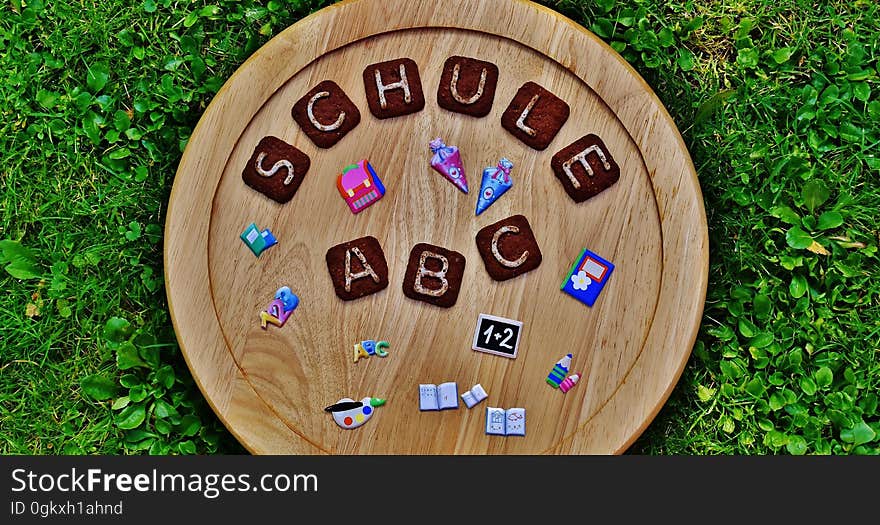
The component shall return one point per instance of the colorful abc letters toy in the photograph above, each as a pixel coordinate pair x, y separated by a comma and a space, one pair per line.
587, 277
276, 169
370, 347
447, 162
258, 241
508, 248
357, 268
496, 181
359, 186
284, 303
349, 414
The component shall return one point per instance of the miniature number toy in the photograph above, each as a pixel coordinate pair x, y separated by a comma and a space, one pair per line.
280, 308
447, 162
348, 413
496, 181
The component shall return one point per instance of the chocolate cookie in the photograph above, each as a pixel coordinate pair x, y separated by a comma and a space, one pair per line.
467, 85
326, 114
585, 168
508, 248
535, 116
433, 275
357, 268
393, 88
276, 169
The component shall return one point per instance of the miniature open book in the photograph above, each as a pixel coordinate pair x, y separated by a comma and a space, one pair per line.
474, 395
510, 422
438, 397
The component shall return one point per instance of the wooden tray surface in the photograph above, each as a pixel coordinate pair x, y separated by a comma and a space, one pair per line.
269, 386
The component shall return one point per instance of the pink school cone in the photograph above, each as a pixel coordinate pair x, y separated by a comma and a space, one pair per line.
447, 162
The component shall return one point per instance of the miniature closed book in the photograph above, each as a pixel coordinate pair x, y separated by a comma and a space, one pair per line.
510, 422
438, 397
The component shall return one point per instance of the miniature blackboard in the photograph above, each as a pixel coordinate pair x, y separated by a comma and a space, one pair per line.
497, 335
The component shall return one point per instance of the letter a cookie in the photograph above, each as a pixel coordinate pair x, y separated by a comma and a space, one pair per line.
357, 268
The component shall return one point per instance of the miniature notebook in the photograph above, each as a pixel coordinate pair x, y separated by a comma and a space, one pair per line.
438, 397
510, 422
256, 240
474, 395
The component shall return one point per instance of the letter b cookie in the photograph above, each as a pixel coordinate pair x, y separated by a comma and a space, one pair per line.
433, 275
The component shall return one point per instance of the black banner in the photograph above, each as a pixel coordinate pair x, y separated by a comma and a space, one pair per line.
334, 489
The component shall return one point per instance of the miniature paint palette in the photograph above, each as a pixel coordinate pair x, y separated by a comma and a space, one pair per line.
594, 162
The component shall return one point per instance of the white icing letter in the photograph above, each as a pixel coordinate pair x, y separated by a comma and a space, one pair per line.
402, 84
497, 254
582, 158
323, 127
368, 270
453, 87
521, 121
283, 163
419, 287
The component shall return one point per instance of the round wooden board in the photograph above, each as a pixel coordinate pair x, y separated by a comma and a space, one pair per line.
269, 386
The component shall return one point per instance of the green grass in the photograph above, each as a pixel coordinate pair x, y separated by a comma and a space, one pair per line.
778, 104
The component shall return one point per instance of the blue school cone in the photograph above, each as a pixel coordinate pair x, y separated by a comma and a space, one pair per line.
495, 182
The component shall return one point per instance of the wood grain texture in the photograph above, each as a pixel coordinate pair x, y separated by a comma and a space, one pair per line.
269, 386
